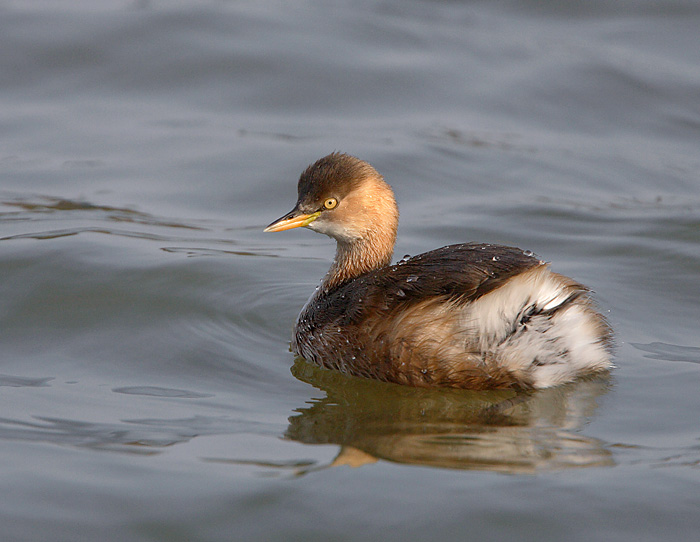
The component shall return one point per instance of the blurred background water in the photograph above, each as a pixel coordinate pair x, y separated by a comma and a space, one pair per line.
145, 381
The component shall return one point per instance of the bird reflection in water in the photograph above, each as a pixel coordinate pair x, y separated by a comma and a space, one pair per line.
503, 431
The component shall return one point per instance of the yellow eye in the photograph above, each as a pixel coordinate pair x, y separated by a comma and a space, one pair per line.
330, 203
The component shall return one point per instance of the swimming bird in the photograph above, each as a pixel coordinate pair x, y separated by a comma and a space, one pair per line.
470, 315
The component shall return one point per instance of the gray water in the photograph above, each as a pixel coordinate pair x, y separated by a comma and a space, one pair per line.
147, 391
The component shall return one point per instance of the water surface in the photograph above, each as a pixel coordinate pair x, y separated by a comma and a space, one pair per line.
146, 383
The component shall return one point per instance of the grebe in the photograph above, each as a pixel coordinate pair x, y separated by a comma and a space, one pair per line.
472, 315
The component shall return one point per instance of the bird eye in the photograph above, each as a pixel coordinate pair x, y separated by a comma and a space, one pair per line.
330, 203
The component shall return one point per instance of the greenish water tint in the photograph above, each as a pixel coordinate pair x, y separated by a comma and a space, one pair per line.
147, 390
494, 431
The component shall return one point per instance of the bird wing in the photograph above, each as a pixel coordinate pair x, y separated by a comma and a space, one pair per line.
460, 273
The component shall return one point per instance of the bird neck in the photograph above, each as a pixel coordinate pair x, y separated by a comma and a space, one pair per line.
358, 257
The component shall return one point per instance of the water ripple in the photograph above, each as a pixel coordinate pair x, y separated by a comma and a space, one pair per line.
147, 436
155, 391
24, 382
669, 352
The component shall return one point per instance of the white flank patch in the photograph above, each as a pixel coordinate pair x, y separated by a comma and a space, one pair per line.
548, 350
493, 315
